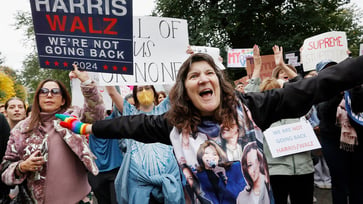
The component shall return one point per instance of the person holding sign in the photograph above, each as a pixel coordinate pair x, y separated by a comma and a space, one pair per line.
52, 160
143, 163
202, 100
290, 173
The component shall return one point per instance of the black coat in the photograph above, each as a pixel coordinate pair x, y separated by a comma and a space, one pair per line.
4, 137
293, 101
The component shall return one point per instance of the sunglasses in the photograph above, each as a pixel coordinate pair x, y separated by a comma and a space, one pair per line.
54, 92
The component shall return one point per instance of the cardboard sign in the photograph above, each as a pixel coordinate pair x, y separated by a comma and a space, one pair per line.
291, 139
96, 35
268, 64
327, 46
160, 46
238, 57
212, 51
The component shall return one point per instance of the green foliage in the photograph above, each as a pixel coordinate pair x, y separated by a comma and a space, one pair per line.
231, 23
17, 87
32, 74
6, 87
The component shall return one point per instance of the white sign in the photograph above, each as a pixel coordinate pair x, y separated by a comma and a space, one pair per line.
78, 99
291, 139
292, 59
160, 46
212, 51
360, 49
327, 46
238, 57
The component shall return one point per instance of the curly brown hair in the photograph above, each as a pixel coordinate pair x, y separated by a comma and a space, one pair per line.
184, 115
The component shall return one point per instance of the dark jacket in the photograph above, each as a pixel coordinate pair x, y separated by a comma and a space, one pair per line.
4, 137
293, 101
327, 111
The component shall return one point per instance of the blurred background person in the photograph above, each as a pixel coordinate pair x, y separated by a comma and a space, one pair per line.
240, 87
15, 111
161, 96
2, 108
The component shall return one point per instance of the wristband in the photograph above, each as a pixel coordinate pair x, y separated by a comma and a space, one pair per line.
83, 127
87, 82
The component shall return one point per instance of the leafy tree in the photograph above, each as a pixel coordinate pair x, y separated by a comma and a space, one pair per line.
243, 23
19, 89
32, 74
2, 59
6, 87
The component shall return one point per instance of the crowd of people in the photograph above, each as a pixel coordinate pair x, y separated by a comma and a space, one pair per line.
200, 141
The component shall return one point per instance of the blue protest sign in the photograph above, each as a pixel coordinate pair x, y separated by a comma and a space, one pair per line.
97, 35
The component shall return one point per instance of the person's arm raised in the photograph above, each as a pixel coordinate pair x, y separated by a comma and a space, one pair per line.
116, 97
257, 62
279, 61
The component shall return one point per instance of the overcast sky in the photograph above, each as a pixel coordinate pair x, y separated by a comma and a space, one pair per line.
11, 40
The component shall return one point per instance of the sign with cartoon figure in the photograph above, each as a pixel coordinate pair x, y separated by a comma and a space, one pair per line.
97, 35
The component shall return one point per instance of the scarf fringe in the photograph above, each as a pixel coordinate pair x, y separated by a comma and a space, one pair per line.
347, 147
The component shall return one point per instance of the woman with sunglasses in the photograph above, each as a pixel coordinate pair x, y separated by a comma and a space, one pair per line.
52, 160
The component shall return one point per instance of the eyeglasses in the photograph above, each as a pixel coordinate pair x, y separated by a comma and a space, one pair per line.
53, 92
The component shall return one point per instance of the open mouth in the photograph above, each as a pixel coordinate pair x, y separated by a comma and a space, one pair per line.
206, 92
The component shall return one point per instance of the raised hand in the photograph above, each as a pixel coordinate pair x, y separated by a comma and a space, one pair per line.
278, 54
257, 61
81, 75
72, 123
256, 55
